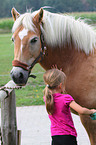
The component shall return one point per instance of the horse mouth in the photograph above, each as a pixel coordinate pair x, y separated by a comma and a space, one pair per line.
19, 76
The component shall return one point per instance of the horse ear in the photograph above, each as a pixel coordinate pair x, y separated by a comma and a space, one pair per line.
15, 14
38, 17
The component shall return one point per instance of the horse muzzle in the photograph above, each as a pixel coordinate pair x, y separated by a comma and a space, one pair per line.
19, 75
21, 71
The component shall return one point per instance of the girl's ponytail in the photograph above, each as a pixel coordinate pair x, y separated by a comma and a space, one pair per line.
49, 100
52, 79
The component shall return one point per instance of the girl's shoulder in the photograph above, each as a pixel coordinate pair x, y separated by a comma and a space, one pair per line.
63, 96
67, 95
67, 98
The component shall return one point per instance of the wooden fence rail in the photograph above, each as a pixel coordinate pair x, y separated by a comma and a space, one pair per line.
8, 116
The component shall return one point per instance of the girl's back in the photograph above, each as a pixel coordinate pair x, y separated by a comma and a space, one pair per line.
61, 120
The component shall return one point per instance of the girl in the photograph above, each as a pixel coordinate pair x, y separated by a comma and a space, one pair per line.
58, 108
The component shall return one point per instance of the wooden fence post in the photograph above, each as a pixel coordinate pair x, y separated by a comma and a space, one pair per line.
8, 120
19, 137
9, 133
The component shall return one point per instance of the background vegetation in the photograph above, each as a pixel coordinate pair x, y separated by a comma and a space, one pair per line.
57, 5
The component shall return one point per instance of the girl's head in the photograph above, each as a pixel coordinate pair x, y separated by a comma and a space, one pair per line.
55, 83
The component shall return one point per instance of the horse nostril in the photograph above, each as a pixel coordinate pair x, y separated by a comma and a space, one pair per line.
21, 75
11, 72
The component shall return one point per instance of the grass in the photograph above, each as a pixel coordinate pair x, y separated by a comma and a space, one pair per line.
32, 94
90, 17
6, 56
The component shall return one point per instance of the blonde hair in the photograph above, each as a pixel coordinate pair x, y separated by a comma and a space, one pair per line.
52, 79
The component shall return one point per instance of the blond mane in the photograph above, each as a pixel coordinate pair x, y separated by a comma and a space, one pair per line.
59, 29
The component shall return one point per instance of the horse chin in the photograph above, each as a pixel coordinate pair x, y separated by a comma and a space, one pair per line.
19, 76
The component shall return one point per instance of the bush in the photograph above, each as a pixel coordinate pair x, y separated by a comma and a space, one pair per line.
6, 24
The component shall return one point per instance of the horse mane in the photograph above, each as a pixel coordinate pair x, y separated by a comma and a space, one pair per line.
59, 29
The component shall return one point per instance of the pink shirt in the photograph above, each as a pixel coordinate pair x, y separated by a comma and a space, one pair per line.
61, 119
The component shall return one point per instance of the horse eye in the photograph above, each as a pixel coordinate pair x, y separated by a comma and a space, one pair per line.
34, 40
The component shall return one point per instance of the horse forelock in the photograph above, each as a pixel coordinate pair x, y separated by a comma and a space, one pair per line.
59, 29
26, 21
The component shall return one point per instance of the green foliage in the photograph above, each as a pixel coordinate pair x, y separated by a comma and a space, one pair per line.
57, 5
6, 24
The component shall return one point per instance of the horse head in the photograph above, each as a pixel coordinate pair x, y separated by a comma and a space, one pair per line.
28, 44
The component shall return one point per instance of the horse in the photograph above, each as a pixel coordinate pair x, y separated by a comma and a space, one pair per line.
57, 39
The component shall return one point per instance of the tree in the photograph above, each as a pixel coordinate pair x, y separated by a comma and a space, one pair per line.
57, 5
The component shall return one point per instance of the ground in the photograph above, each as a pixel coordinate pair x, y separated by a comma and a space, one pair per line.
35, 126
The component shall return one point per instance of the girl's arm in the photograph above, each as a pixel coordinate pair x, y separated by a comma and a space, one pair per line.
80, 109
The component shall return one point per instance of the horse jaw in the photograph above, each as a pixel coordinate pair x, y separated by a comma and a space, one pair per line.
19, 76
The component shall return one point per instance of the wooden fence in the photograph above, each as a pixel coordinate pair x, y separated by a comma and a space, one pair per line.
9, 133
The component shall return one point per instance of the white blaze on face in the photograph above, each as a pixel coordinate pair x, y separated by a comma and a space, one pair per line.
22, 34
21, 47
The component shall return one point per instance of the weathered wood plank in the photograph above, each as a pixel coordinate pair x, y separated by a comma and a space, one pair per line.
3, 94
8, 116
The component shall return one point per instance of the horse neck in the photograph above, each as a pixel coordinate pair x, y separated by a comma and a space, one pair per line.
65, 58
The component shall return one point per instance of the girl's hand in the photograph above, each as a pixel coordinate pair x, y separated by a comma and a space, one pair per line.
93, 111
